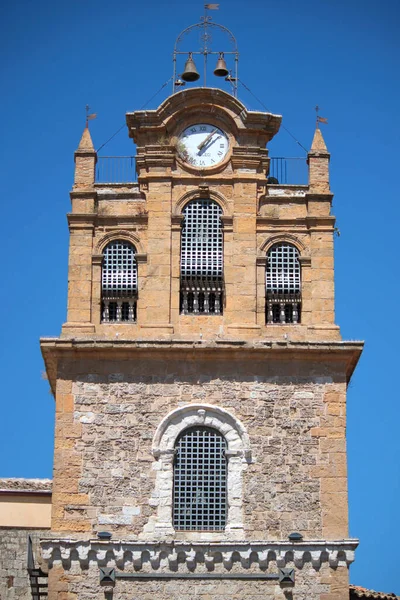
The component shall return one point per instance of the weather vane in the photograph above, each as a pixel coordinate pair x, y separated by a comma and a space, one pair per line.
320, 119
89, 117
190, 73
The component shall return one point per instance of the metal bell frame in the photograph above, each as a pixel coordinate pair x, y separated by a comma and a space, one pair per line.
206, 24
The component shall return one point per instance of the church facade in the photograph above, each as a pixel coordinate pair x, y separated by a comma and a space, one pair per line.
200, 378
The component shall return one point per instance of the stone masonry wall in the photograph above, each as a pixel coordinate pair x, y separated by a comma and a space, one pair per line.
108, 412
311, 584
14, 580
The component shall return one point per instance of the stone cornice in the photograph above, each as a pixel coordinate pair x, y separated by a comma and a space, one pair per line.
199, 100
346, 352
127, 553
320, 197
90, 220
213, 179
123, 220
81, 220
250, 158
318, 154
87, 194
86, 152
309, 223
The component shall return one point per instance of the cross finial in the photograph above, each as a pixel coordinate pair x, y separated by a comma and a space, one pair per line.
317, 113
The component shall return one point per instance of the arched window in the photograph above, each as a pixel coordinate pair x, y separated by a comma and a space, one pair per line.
200, 468
201, 258
119, 282
283, 284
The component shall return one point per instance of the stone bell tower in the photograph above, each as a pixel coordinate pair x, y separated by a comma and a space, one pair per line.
200, 378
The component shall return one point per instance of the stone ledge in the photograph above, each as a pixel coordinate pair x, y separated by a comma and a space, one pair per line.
347, 353
337, 553
18, 485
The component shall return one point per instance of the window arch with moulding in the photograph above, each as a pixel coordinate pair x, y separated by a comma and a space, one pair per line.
231, 448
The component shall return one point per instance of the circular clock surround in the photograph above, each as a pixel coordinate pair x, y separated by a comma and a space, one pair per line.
203, 145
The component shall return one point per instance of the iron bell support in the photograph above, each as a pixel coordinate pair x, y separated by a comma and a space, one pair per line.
190, 73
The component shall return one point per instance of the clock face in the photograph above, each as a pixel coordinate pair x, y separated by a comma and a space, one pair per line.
203, 145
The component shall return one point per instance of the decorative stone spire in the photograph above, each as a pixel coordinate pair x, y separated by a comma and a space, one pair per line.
318, 164
318, 143
86, 140
85, 161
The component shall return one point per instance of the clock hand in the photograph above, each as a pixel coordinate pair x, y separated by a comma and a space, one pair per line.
204, 142
209, 143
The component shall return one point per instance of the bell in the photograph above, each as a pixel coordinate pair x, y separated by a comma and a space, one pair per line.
220, 69
190, 73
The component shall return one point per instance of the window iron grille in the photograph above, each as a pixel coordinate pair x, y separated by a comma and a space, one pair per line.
201, 258
119, 282
119, 273
283, 270
201, 244
200, 476
283, 284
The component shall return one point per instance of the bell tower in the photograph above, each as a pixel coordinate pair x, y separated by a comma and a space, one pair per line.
200, 379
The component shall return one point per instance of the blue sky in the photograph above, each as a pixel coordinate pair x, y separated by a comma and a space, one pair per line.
340, 54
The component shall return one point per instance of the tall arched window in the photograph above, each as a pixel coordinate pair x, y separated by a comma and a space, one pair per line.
283, 284
119, 282
200, 468
202, 258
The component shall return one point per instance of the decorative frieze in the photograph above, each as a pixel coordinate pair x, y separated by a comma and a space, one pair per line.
221, 556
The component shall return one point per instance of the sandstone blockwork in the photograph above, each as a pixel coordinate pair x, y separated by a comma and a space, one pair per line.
246, 349
149, 214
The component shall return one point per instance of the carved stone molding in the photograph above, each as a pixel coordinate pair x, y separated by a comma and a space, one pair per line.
238, 455
218, 556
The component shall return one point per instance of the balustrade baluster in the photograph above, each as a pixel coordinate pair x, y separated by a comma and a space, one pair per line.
106, 311
270, 314
217, 306
185, 306
196, 302
295, 313
282, 315
119, 311
206, 301
131, 312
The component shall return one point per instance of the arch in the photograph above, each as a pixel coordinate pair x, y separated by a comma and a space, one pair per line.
201, 414
238, 454
201, 193
282, 238
119, 234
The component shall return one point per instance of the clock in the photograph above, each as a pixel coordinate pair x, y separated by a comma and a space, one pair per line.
203, 145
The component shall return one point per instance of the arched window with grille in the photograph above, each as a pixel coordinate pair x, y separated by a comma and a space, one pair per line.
202, 258
283, 284
200, 476
119, 282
